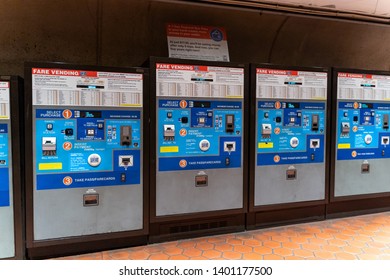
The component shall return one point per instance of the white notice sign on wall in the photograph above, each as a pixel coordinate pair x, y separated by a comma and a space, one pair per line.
197, 42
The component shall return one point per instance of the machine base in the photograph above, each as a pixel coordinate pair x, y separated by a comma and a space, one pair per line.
268, 218
338, 209
78, 246
195, 227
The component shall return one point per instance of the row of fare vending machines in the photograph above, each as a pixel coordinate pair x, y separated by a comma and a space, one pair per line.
95, 158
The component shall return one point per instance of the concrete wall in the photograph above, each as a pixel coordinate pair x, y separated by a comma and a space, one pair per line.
127, 32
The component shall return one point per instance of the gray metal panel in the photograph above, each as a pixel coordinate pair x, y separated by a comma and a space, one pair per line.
177, 194
271, 186
350, 181
60, 213
7, 230
7, 239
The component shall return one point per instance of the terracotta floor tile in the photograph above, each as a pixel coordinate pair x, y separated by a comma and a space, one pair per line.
311, 247
216, 240
373, 227
303, 253
271, 233
262, 250
199, 258
352, 250
224, 247
342, 237
251, 256
138, 255
120, 255
271, 244
366, 233
235, 241
357, 244
212, 254
204, 246
326, 236
232, 255
324, 255
242, 248
280, 238
284, 252
159, 256
272, 257
261, 237
291, 245
382, 233
171, 251
289, 233
361, 237
313, 230
253, 242
154, 249
378, 245
331, 248
293, 258
373, 251
299, 240
345, 256
367, 257
381, 239
244, 236
319, 241
348, 232
192, 252
179, 257
330, 230
186, 244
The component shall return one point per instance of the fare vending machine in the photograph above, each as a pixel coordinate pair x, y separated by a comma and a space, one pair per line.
85, 150
289, 144
361, 150
198, 163
11, 176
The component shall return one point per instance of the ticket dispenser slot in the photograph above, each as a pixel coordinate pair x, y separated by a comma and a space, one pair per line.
125, 135
201, 180
291, 173
229, 123
365, 167
90, 200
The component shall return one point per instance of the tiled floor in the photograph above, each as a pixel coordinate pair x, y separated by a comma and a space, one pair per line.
363, 238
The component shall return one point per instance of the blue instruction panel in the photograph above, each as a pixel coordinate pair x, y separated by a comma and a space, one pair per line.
83, 136
193, 134
290, 132
4, 166
5, 148
81, 148
363, 111
291, 116
199, 117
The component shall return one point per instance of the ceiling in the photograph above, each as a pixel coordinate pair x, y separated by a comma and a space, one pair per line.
370, 7
362, 10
